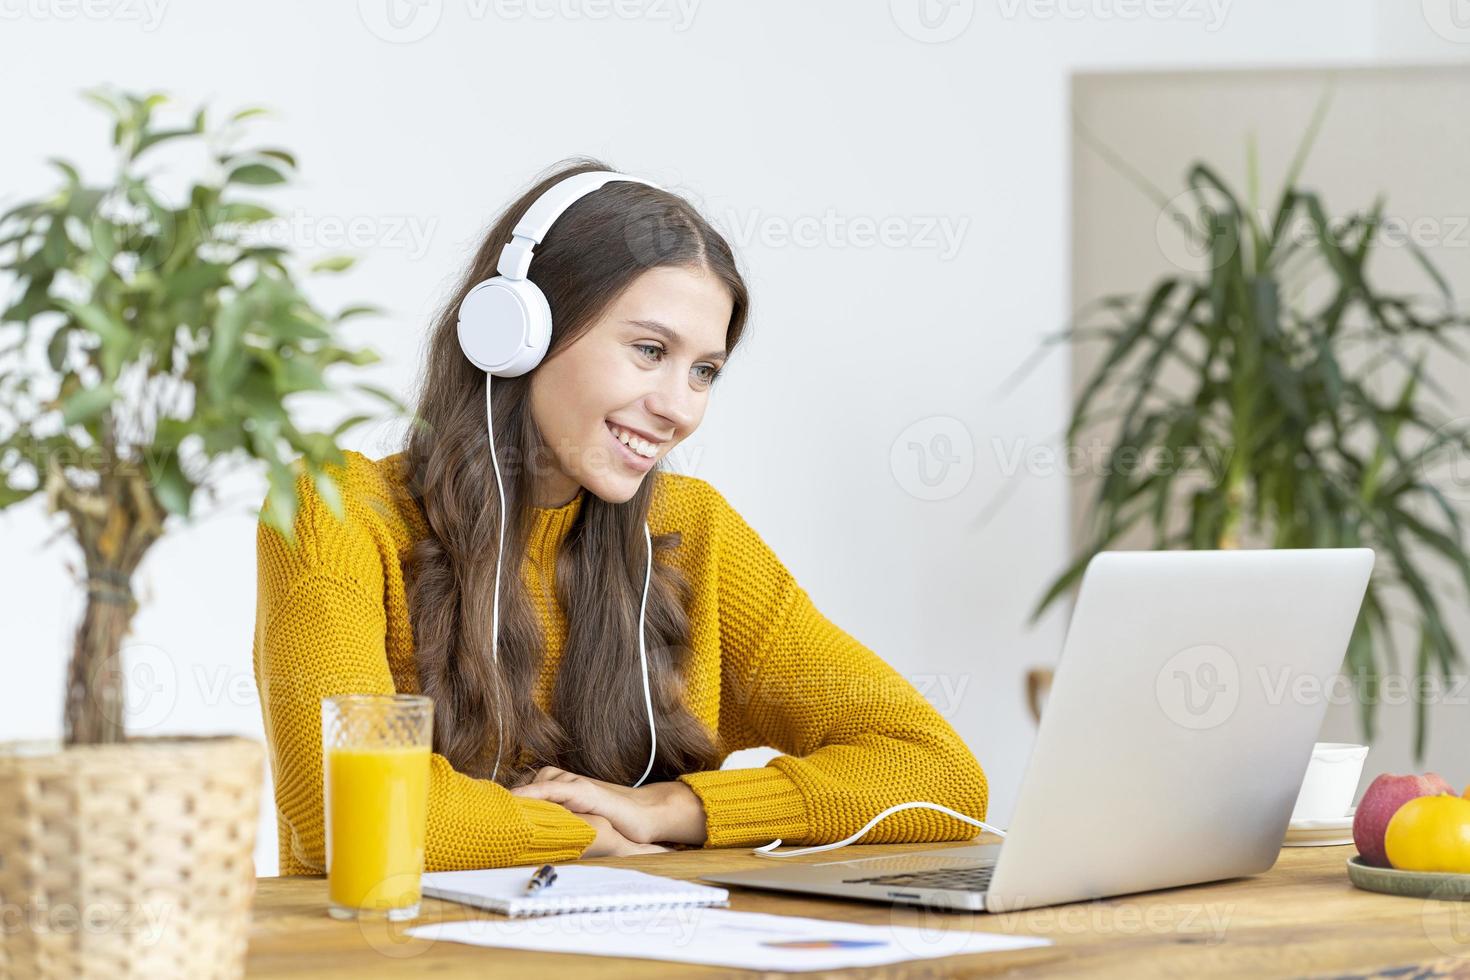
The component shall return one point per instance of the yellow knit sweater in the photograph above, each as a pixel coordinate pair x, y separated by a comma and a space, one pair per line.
767, 669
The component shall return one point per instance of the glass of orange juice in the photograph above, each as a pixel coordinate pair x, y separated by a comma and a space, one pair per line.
375, 775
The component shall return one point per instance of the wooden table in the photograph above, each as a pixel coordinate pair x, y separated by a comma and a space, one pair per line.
1301, 918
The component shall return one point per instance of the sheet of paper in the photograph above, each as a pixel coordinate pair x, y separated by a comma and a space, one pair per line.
722, 937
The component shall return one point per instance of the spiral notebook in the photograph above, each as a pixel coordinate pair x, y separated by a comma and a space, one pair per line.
578, 888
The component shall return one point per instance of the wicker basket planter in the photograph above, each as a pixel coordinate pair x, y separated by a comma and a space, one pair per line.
128, 860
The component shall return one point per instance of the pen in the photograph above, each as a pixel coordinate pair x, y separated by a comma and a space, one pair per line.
543, 877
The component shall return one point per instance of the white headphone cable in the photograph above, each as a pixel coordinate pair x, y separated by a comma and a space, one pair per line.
643, 659
769, 849
495, 602
495, 610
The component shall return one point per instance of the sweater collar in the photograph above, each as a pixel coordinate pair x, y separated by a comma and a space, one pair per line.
550, 526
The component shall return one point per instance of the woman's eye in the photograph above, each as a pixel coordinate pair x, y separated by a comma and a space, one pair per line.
705, 373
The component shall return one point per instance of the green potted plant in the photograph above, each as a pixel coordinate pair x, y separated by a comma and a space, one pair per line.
145, 342
1284, 360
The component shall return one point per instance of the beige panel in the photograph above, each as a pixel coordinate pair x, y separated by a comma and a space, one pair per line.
1401, 133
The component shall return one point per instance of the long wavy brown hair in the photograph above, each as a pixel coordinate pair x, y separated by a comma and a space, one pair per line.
598, 724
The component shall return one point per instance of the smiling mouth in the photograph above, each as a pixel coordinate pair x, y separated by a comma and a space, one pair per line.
635, 444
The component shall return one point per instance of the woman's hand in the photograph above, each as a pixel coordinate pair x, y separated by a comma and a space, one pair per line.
610, 843
655, 812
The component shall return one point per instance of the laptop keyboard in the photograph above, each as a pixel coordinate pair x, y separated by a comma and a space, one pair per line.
975, 879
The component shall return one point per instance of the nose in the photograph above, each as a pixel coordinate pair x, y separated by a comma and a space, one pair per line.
676, 403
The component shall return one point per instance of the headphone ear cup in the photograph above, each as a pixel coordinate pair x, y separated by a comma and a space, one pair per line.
505, 326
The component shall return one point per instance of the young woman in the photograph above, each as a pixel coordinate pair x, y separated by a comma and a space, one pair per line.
538, 748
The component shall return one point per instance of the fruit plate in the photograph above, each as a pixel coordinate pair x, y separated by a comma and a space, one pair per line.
1416, 884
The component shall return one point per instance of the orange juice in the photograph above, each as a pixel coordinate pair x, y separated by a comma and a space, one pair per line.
376, 806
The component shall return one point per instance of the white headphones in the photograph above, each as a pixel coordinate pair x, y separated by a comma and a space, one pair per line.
505, 330
505, 322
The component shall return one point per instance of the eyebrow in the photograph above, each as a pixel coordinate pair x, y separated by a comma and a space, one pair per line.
668, 334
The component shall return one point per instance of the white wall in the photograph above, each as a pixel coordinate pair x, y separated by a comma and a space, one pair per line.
1430, 30
770, 115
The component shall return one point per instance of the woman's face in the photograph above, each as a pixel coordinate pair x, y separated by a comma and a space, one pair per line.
641, 373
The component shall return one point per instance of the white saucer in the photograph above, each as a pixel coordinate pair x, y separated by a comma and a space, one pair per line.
1320, 833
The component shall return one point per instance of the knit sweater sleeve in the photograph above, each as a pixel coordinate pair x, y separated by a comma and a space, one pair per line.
856, 736
320, 631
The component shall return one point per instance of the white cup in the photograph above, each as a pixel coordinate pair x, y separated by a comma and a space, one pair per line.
1331, 780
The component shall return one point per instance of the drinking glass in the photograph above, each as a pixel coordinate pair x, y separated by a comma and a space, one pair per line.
375, 774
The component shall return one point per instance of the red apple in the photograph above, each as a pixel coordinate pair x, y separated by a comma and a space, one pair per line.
1381, 801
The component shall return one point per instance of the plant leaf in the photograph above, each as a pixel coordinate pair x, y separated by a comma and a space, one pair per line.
85, 404
257, 174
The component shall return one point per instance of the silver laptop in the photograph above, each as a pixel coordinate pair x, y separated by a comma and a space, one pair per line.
1178, 728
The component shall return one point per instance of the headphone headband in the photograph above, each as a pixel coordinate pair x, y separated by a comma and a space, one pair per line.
515, 257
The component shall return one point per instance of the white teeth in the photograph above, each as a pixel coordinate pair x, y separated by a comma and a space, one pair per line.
639, 446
